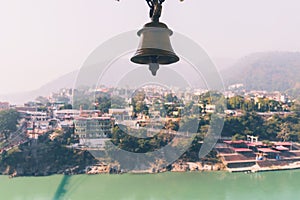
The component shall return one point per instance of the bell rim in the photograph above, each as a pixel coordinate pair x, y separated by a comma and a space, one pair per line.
147, 52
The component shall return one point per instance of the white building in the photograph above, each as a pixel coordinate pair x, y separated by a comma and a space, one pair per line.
93, 131
120, 114
66, 114
37, 116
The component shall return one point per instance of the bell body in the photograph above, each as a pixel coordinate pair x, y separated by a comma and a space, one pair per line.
155, 45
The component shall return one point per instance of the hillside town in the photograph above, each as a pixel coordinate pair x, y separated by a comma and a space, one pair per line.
152, 108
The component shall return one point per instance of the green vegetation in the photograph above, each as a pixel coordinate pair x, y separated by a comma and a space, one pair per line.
102, 101
8, 122
66, 106
250, 105
275, 128
45, 156
138, 145
138, 104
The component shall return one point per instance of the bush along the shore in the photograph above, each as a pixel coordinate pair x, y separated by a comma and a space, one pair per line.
45, 157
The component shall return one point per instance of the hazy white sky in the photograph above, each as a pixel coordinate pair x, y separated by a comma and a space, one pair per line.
43, 39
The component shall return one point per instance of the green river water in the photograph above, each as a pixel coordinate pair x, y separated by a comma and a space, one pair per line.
283, 185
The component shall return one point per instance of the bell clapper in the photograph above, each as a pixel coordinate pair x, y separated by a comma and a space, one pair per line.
153, 67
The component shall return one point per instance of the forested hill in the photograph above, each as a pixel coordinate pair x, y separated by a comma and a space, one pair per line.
266, 71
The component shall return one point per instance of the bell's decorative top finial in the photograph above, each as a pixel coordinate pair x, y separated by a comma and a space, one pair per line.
155, 9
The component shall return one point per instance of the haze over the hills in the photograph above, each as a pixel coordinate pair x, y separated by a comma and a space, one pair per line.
272, 71
65, 81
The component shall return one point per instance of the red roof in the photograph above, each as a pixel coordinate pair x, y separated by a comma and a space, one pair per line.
267, 150
234, 142
254, 144
242, 150
283, 144
281, 148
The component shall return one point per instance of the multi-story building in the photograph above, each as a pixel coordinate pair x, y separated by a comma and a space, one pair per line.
93, 131
4, 106
66, 114
121, 114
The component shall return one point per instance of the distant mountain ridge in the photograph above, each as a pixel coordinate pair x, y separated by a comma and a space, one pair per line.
271, 71
65, 81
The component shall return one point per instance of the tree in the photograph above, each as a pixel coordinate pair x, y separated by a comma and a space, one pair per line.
296, 108
83, 98
138, 103
66, 106
8, 122
235, 102
42, 100
118, 102
103, 102
238, 137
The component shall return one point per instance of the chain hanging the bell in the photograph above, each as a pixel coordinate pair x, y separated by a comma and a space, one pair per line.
155, 46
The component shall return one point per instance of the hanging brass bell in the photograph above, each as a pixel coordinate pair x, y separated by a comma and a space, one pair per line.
155, 47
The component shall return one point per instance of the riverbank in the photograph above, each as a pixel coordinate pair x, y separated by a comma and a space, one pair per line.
197, 167
103, 168
175, 167
178, 167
